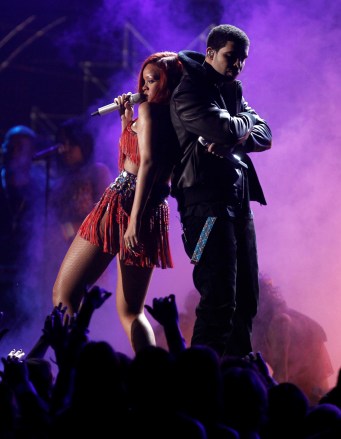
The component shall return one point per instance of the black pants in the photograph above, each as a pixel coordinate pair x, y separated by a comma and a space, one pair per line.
226, 277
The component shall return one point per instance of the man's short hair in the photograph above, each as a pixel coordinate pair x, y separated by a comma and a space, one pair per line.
220, 35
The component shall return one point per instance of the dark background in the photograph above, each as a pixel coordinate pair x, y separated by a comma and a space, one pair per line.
42, 81
58, 59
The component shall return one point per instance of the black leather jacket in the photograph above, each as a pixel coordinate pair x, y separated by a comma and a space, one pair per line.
204, 104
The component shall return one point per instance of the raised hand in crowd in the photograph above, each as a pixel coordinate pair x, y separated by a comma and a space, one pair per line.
92, 300
53, 335
165, 312
257, 359
15, 371
33, 410
68, 336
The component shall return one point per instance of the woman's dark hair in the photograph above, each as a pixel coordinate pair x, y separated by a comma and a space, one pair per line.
76, 133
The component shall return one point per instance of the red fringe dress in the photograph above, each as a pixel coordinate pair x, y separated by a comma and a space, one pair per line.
107, 223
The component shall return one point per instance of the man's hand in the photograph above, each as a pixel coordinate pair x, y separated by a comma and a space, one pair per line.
218, 150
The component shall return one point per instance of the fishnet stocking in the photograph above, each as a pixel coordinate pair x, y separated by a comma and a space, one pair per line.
83, 264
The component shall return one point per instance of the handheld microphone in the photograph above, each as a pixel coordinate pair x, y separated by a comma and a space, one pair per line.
135, 98
48, 152
234, 158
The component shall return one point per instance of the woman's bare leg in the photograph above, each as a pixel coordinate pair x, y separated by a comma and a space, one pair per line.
132, 287
83, 264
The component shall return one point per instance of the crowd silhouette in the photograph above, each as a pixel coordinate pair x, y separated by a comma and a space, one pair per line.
162, 392
292, 344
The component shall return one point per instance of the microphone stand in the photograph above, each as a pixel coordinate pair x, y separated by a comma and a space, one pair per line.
47, 189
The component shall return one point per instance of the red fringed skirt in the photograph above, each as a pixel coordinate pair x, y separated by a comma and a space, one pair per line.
106, 224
